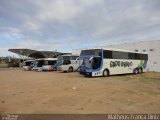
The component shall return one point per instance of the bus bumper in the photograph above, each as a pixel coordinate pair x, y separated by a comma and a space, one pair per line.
82, 73
87, 74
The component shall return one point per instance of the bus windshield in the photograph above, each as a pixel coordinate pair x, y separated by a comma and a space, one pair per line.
87, 63
64, 60
91, 58
91, 62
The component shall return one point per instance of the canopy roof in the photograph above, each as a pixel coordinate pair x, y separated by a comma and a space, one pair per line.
35, 53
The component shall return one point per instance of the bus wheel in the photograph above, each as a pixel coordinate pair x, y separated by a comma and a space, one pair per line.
70, 69
136, 71
141, 70
106, 73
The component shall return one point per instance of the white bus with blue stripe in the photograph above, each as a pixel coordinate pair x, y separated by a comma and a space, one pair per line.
105, 62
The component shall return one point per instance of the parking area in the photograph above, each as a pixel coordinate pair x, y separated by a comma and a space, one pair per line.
71, 93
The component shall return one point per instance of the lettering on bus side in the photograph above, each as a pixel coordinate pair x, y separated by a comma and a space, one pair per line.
120, 64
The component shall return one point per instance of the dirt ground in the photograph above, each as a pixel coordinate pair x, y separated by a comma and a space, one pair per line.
71, 93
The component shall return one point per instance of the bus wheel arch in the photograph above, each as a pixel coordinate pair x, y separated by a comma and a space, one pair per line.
106, 72
136, 71
70, 69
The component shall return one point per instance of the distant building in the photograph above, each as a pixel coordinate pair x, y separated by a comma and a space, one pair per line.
150, 47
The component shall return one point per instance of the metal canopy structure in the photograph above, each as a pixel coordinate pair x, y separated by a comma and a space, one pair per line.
35, 54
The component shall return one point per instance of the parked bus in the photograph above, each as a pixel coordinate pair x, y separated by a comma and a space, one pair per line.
105, 62
68, 63
50, 64
38, 64
45, 64
28, 65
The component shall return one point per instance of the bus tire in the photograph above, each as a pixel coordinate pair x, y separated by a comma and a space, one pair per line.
136, 71
105, 73
70, 69
140, 70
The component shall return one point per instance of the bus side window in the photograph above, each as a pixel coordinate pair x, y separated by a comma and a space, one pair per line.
107, 54
131, 56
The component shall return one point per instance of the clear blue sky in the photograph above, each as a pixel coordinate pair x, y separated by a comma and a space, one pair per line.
65, 25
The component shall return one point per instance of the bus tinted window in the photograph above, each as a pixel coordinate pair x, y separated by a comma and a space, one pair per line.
66, 57
119, 55
116, 54
66, 62
107, 54
97, 52
137, 56
143, 56
124, 55
50, 62
131, 55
